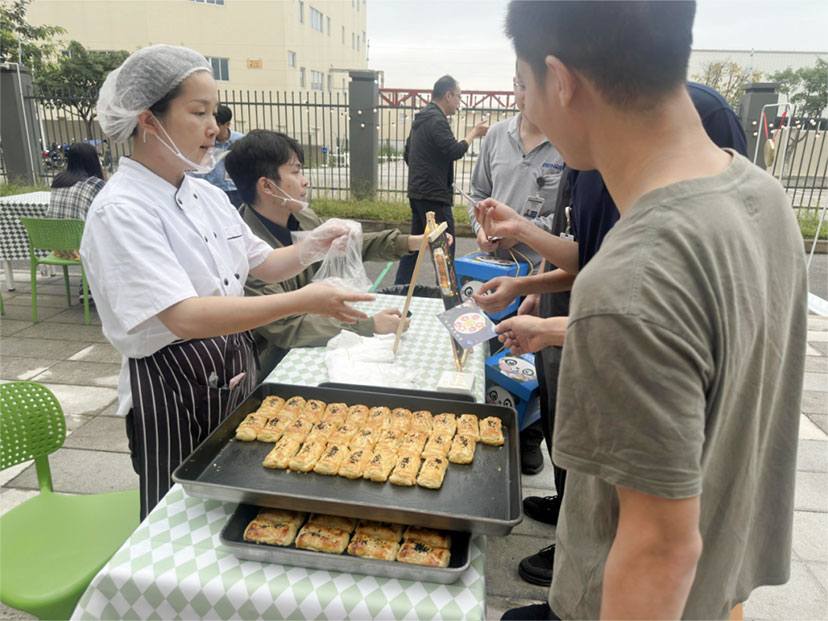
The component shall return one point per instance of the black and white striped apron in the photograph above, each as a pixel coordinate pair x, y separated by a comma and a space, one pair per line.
179, 395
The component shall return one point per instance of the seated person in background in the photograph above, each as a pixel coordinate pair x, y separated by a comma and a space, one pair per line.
224, 140
74, 189
266, 167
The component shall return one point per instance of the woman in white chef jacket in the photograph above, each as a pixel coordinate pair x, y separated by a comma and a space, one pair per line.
167, 256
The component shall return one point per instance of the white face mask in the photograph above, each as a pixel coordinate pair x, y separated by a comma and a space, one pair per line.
208, 162
287, 198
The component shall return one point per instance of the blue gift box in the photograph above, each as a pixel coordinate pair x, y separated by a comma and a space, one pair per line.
479, 267
512, 381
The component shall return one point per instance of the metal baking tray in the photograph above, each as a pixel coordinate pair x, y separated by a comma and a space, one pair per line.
484, 497
232, 537
408, 392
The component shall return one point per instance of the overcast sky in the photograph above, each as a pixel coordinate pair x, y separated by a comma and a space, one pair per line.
416, 41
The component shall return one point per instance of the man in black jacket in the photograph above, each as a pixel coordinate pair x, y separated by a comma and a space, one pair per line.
430, 152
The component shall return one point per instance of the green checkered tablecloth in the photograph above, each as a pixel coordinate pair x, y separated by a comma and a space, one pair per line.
425, 346
173, 567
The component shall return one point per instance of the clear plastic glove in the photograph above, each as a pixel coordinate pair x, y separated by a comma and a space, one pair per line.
314, 245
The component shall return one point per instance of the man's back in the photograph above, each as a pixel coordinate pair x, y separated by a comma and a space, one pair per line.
686, 326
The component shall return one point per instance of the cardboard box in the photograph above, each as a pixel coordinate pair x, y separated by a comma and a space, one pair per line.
512, 381
479, 267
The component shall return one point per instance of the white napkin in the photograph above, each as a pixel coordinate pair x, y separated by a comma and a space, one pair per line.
354, 359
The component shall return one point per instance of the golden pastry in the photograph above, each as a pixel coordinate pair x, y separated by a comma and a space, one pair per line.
336, 413
332, 521
321, 432
314, 410
412, 442
306, 458
299, 429
378, 418
281, 516
421, 421
294, 404
343, 434
368, 547
322, 539
491, 431
445, 423
462, 450
388, 439
357, 415
432, 472
353, 465
379, 467
270, 432
364, 438
272, 404
282, 453
401, 419
405, 472
422, 554
275, 534
379, 530
438, 445
249, 428
467, 426
432, 538
331, 459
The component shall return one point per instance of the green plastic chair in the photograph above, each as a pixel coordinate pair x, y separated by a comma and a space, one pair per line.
55, 234
52, 544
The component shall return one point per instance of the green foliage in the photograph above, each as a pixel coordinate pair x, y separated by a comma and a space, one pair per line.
386, 211
73, 81
729, 78
12, 189
806, 87
808, 225
33, 46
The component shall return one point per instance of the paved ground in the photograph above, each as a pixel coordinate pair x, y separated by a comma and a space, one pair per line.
77, 363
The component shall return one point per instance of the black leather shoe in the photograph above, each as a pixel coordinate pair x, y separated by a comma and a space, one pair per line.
543, 509
531, 458
535, 612
537, 569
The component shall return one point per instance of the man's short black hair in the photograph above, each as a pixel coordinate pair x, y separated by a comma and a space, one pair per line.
223, 114
444, 85
633, 52
259, 154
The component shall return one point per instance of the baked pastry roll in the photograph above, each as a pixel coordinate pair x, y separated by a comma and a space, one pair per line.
281, 454
313, 410
306, 458
273, 403
462, 450
366, 437
353, 465
321, 432
467, 426
249, 428
412, 442
299, 429
381, 464
281, 516
421, 554
357, 415
284, 419
271, 533
432, 538
378, 418
343, 434
438, 445
336, 413
332, 521
294, 404
331, 459
322, 539
444, 423
405, 472
388, 439
401, 419
368, 547
433, 472
270, 432
491, 431
379, 530
421, 421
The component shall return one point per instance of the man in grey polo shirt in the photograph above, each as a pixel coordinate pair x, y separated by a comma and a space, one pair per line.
518, 166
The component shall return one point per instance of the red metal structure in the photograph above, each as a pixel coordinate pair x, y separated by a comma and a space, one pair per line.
417, 98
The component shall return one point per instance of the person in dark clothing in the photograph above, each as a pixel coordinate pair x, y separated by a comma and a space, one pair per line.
430, 152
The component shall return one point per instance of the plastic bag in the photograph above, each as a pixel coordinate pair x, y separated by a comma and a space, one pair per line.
342, 264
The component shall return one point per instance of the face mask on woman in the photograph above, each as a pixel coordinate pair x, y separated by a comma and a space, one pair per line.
210, 160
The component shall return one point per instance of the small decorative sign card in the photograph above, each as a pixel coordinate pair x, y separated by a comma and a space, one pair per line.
468, 324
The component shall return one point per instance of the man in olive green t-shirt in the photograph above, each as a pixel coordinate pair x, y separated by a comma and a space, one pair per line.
680, 384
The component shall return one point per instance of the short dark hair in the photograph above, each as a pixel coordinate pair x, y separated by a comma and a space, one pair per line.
444, 85
81, 162
259, 154
223, 114
633, 52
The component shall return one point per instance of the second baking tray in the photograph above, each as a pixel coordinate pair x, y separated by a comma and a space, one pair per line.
232, 537
484, 497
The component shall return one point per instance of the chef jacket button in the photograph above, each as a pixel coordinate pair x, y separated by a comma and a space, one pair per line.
236, 275
205, 239
215, 234
226, 282
195, 195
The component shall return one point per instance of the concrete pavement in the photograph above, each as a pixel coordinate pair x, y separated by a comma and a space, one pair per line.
77, 363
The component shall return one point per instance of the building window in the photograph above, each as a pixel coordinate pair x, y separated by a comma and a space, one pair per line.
291, 59
353, 40
301, 12
357, 43
302, 77
317, 80
343, 35
217, 2
329, 26
221, 67
330, 82
316, 20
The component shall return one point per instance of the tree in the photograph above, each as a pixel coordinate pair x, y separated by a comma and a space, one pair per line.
729, 78
73, 81
33, 46
807, 87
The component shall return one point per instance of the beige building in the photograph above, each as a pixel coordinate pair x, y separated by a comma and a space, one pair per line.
253, 44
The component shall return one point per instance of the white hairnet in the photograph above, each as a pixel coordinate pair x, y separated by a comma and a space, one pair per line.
142, 80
